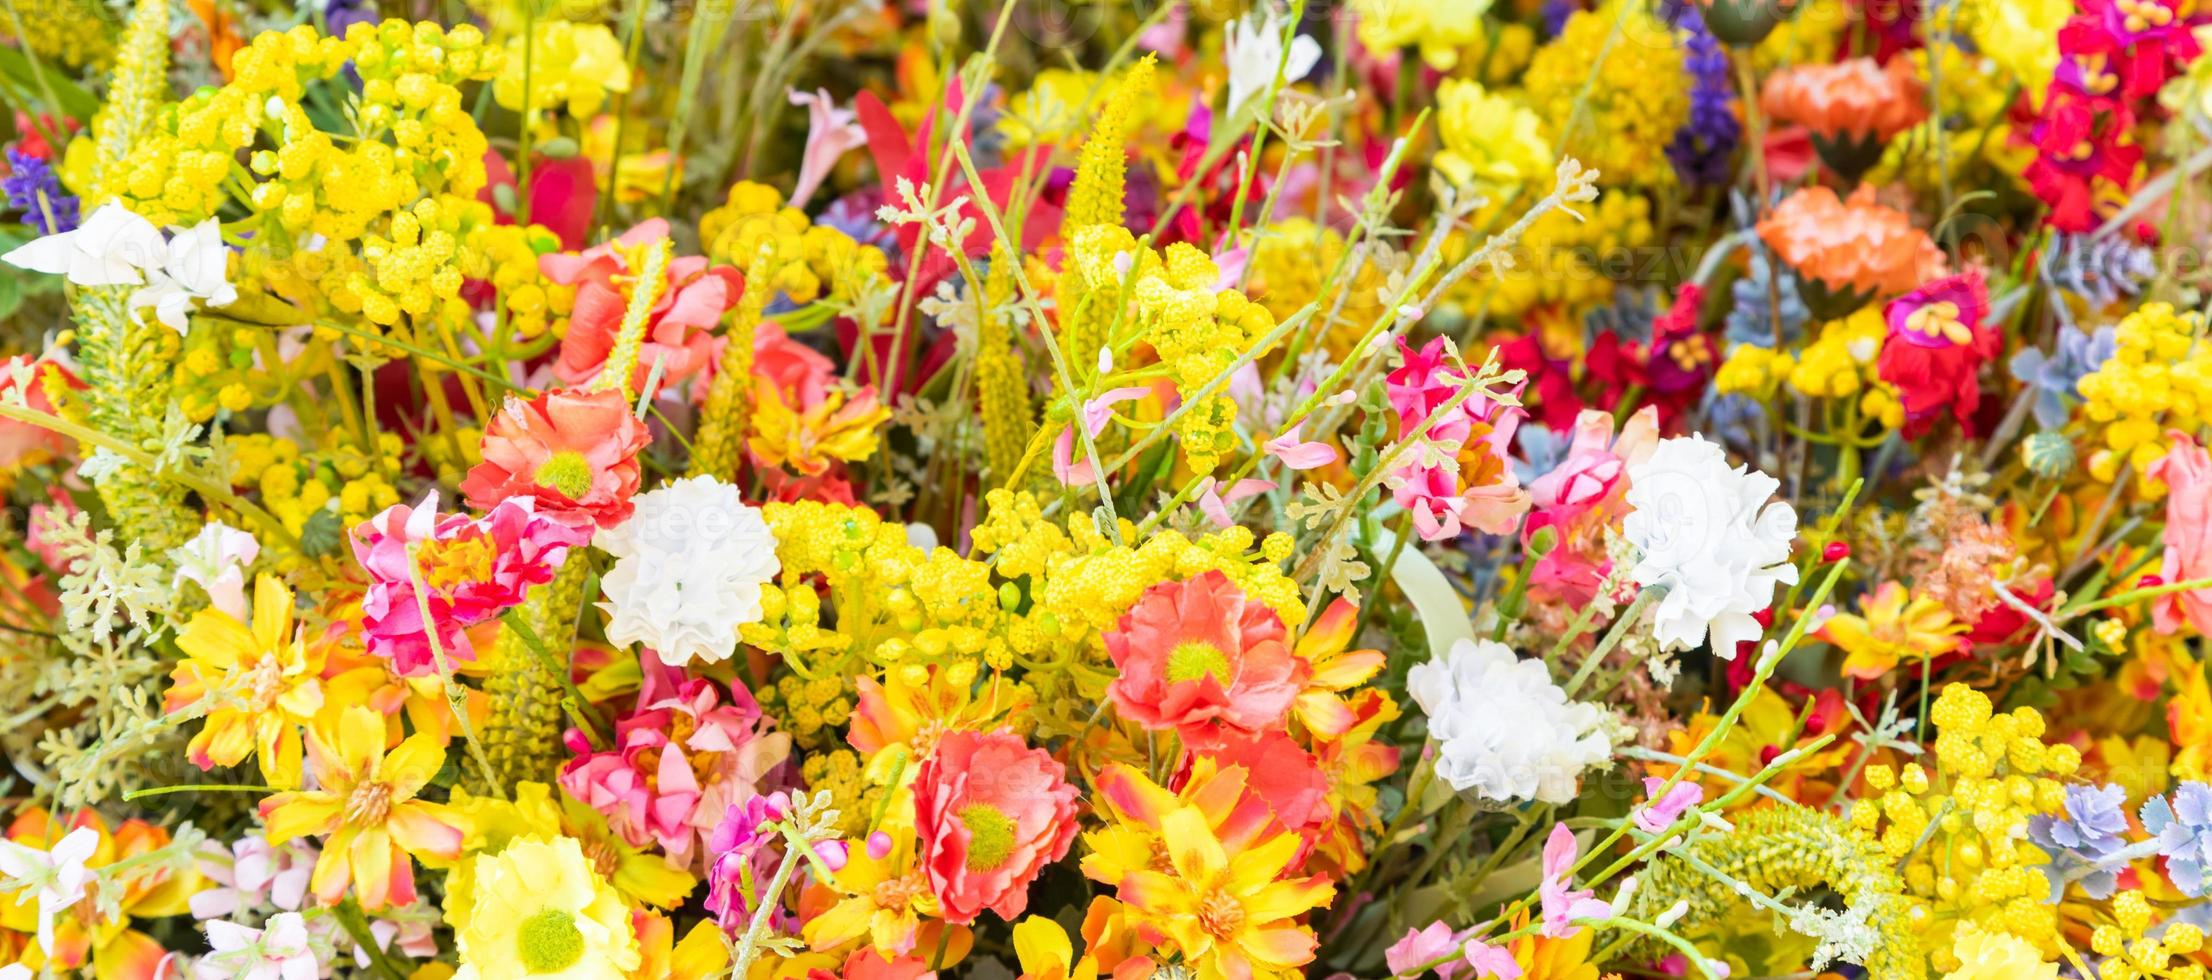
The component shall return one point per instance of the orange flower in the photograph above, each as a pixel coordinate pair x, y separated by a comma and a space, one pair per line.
1892, 625
1322, 707
367, 810
1853, 247
1855, 99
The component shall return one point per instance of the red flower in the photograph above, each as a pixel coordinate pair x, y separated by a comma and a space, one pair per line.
990, 813
574, 452
1936, 348
1198, 653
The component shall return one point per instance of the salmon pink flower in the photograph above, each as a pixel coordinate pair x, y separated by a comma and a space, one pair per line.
365, 807
472, 569
2186, 469
678, 763
991, 812
1200, 653
1847, 251
1936, 348
573, 452
679, 330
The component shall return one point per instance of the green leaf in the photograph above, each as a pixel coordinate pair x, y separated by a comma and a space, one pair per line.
25, 76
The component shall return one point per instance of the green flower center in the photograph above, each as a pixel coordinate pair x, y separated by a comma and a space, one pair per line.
1193, 660
567, 471
990, 835
549, 942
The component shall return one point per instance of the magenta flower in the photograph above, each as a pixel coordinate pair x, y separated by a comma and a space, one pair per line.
679, 762
471, 569
1480, 490
1563, 906
742, 861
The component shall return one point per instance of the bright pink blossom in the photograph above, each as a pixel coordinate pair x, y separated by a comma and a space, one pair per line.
1483, 493
1659, 814
1581, 498
678, 764
471, 570
678, 331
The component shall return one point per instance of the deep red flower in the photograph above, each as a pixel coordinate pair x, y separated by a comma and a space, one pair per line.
1935, 350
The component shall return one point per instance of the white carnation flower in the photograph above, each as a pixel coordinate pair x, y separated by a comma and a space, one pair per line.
689, 564
1502, 728
1709, 537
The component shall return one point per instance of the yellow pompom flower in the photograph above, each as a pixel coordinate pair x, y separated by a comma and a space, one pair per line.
539, 910
1622, 117
1490, 141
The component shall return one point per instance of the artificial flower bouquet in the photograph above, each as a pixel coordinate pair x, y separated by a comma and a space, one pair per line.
1491, 489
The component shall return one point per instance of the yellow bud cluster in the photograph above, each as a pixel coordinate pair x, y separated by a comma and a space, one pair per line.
2159, 378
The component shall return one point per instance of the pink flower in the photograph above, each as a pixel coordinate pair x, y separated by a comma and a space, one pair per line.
1096, 413
1214, 501
1428, 945
678, 333
1661, 813
831, 133
990, 812
679, 762
1581, 499
1563, 906
1483, 494
250, 872
1299, 455
742, 860
1196, 654
2186, 469
472, 568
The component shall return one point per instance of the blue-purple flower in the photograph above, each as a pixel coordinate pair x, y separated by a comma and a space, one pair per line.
2183, 830
33, 189
2085, 840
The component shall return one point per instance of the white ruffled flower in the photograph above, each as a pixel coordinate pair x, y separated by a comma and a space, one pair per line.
57, 878
689, 565
114, 247
1255, 47
1709, 537
1502, 728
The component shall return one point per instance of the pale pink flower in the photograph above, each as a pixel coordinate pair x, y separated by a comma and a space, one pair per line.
831, 133
280, 950
2186, 469
1581, 499
1298, 454
1070, 470
1661, 813
1564, 906
250, 873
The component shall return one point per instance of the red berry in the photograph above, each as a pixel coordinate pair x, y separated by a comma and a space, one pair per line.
1836, 551
2150, 581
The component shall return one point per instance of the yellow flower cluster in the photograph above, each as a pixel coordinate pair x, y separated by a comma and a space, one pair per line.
1558, 260
507, 257
1838, 364
806, 257
2160, 378
1197, 329
217, 371
1962, 831
1291, 261
2131, 952
349, 485
76, 33
1971, 88
1625, 115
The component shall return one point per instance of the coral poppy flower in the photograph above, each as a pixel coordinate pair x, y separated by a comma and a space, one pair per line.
1198, 653
271, 678
367, 810
991, 812
1892, 625
573, 452
678, 330
1936, 347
